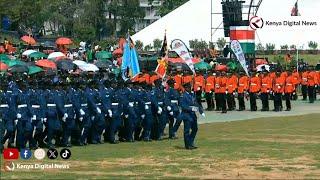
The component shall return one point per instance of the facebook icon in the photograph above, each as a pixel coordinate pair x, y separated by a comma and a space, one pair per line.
25, 154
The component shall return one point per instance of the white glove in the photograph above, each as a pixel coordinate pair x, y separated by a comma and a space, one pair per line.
198, 88
234, 93
159, 110
126, 116
268, 91
282, 94
210, 92
34, 117
82, 112
143, 116
110, 113
99, 110
80, 119
92, 118
294, 93
226, 92
131, 104
65, 115
18, 115
44, 119
203, 115
171, 113
169, 108
16, 121
146, 107
194, 109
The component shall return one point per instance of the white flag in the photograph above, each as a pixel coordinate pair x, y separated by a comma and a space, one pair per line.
181, 49
236, 48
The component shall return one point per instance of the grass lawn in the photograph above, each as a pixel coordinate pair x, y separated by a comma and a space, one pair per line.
282, 148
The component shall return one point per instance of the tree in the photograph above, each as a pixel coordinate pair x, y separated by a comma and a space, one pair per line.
270, 48
148, 47
313, 46
221, 42
168, 6
284, 48
260, 48
139, 45
157, 44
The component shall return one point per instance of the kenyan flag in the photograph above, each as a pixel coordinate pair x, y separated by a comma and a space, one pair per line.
246, 36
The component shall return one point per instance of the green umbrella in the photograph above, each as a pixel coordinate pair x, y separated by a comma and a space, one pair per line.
38, 55
11, 63
34, 70
202, 66
4, 58
103, 55
116, 71
232, 65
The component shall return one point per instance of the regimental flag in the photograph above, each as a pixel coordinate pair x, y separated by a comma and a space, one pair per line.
237, 50
246, 37
295, 10
181, 49
161, 69
130, 64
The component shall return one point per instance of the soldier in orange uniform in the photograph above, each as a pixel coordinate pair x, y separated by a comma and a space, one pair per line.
186, 78
296, 82
220, 91
289, 89
209, 89
231, 89
198, 86
312, 84
177, 81
304, 84
254, 88
243, 87
266, 88
278, 89
153, 77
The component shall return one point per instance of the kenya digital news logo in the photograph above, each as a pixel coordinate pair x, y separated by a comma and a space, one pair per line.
8, 166
256, 22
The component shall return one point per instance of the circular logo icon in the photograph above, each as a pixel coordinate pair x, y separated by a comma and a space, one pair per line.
25, 154
8, 166
65, 153
256, 22
39, 154
52, 153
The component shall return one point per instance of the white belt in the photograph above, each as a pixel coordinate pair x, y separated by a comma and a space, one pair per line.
35, 106
83, 105
160, 103
99, 104
68, 105
9, 91
230, 85
174, 101
22, 106
253, 84
289, 84
114, 104
209, 84
241, 84
264, 84
147, 103
51, 105
4, 106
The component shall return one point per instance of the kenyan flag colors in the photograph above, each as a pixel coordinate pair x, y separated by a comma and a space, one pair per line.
246, 36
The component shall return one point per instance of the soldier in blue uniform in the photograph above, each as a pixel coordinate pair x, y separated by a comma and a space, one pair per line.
189, 107
173, 109
150, 104
84, 114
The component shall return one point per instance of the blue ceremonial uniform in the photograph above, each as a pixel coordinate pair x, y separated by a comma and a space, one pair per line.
7, 111
116, 108
68, 121
85, 117
174, 120
189, 106
161, 113
150, 104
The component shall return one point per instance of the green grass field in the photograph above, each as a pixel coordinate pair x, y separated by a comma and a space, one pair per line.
282, 148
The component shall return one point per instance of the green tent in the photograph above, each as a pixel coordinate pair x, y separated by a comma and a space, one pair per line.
38, 55
103, 55
34, 70
202, 66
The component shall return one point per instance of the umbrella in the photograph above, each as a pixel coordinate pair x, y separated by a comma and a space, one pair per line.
175, 60
202, 66
55, 55
18, 69
4, 57
46, 64
66, 65
11, 63
195, 60
104, 64
34, 70
3, 66
79, 63
28, 40
63, 41
118, 52
2, 50
28, 52
221, 68
89, 67
261, 61
37, 55
232, 65
262, 67
102, 55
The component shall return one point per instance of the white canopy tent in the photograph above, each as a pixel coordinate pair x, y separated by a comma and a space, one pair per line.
192, 21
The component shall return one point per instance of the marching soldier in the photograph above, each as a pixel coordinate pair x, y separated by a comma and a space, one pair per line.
304, 84
312, 84
232, 82
254, 88
243, 88
173, 109
278, 89
198, 86
289, 89
209, 89
266, 89
221, 91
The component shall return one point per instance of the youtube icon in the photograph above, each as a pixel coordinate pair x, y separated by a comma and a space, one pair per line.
11, 153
